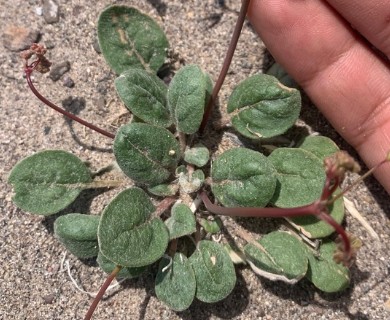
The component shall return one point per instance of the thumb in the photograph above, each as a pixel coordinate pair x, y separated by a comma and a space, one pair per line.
343, 77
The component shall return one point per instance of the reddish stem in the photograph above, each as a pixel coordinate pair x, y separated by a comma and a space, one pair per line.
28, 71
317, 208
101, 292
259, 212
226, 64
340, 230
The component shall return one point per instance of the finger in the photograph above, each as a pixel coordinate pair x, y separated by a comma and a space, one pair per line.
341, 75
370, 18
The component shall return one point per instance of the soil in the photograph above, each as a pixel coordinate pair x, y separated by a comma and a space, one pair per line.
35, 282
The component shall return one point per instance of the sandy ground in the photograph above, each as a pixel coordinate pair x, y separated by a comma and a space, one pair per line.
33, 282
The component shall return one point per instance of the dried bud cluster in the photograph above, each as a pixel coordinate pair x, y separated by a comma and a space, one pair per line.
42, 64
337, 165
340, 255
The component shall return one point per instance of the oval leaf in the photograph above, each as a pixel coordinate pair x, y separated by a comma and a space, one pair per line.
48, 181
284, 257
320, 146
144, 94
191, 182
164, 190
128, 235
198, 155
182, 221
130, 39
125, 273
261, 107
78, 233
146, 153
300, 175
243, 178
214, 272
313, 228
188, 94
175, 282
324, 272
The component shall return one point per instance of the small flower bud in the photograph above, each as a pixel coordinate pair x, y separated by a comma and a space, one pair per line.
340, 255
339, 163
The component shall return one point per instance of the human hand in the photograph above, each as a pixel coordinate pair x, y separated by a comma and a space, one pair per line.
320, 44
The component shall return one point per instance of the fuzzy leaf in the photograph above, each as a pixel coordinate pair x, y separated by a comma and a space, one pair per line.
188, 94
314, 228
211, 226
214, 272
146, 153
320, 146
243, 178
144, 94
78, 233
191, 183
300, 175
125, 273
164, 190
130, 39
48, 181
198, 155
128, 235
261, 107
324, 272
182, 221
175, 284
284, 257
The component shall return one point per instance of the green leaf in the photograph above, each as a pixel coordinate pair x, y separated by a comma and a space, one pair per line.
164, 190
78, 233
243, 178
211, 226
146, 153
324, 272
279, 73
48, 181
182, 221
198, 155
214, 272
130, 39
261, 107
125, 273
284, 257
191, 182
144, 94
188, 94
175, 283
128, 235
300, 175
314, 228
320, 146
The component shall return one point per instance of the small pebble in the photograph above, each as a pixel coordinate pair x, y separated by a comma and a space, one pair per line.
39, 11
46, 130
19, 38
50, 11
68, 82
58, 70
48, 299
